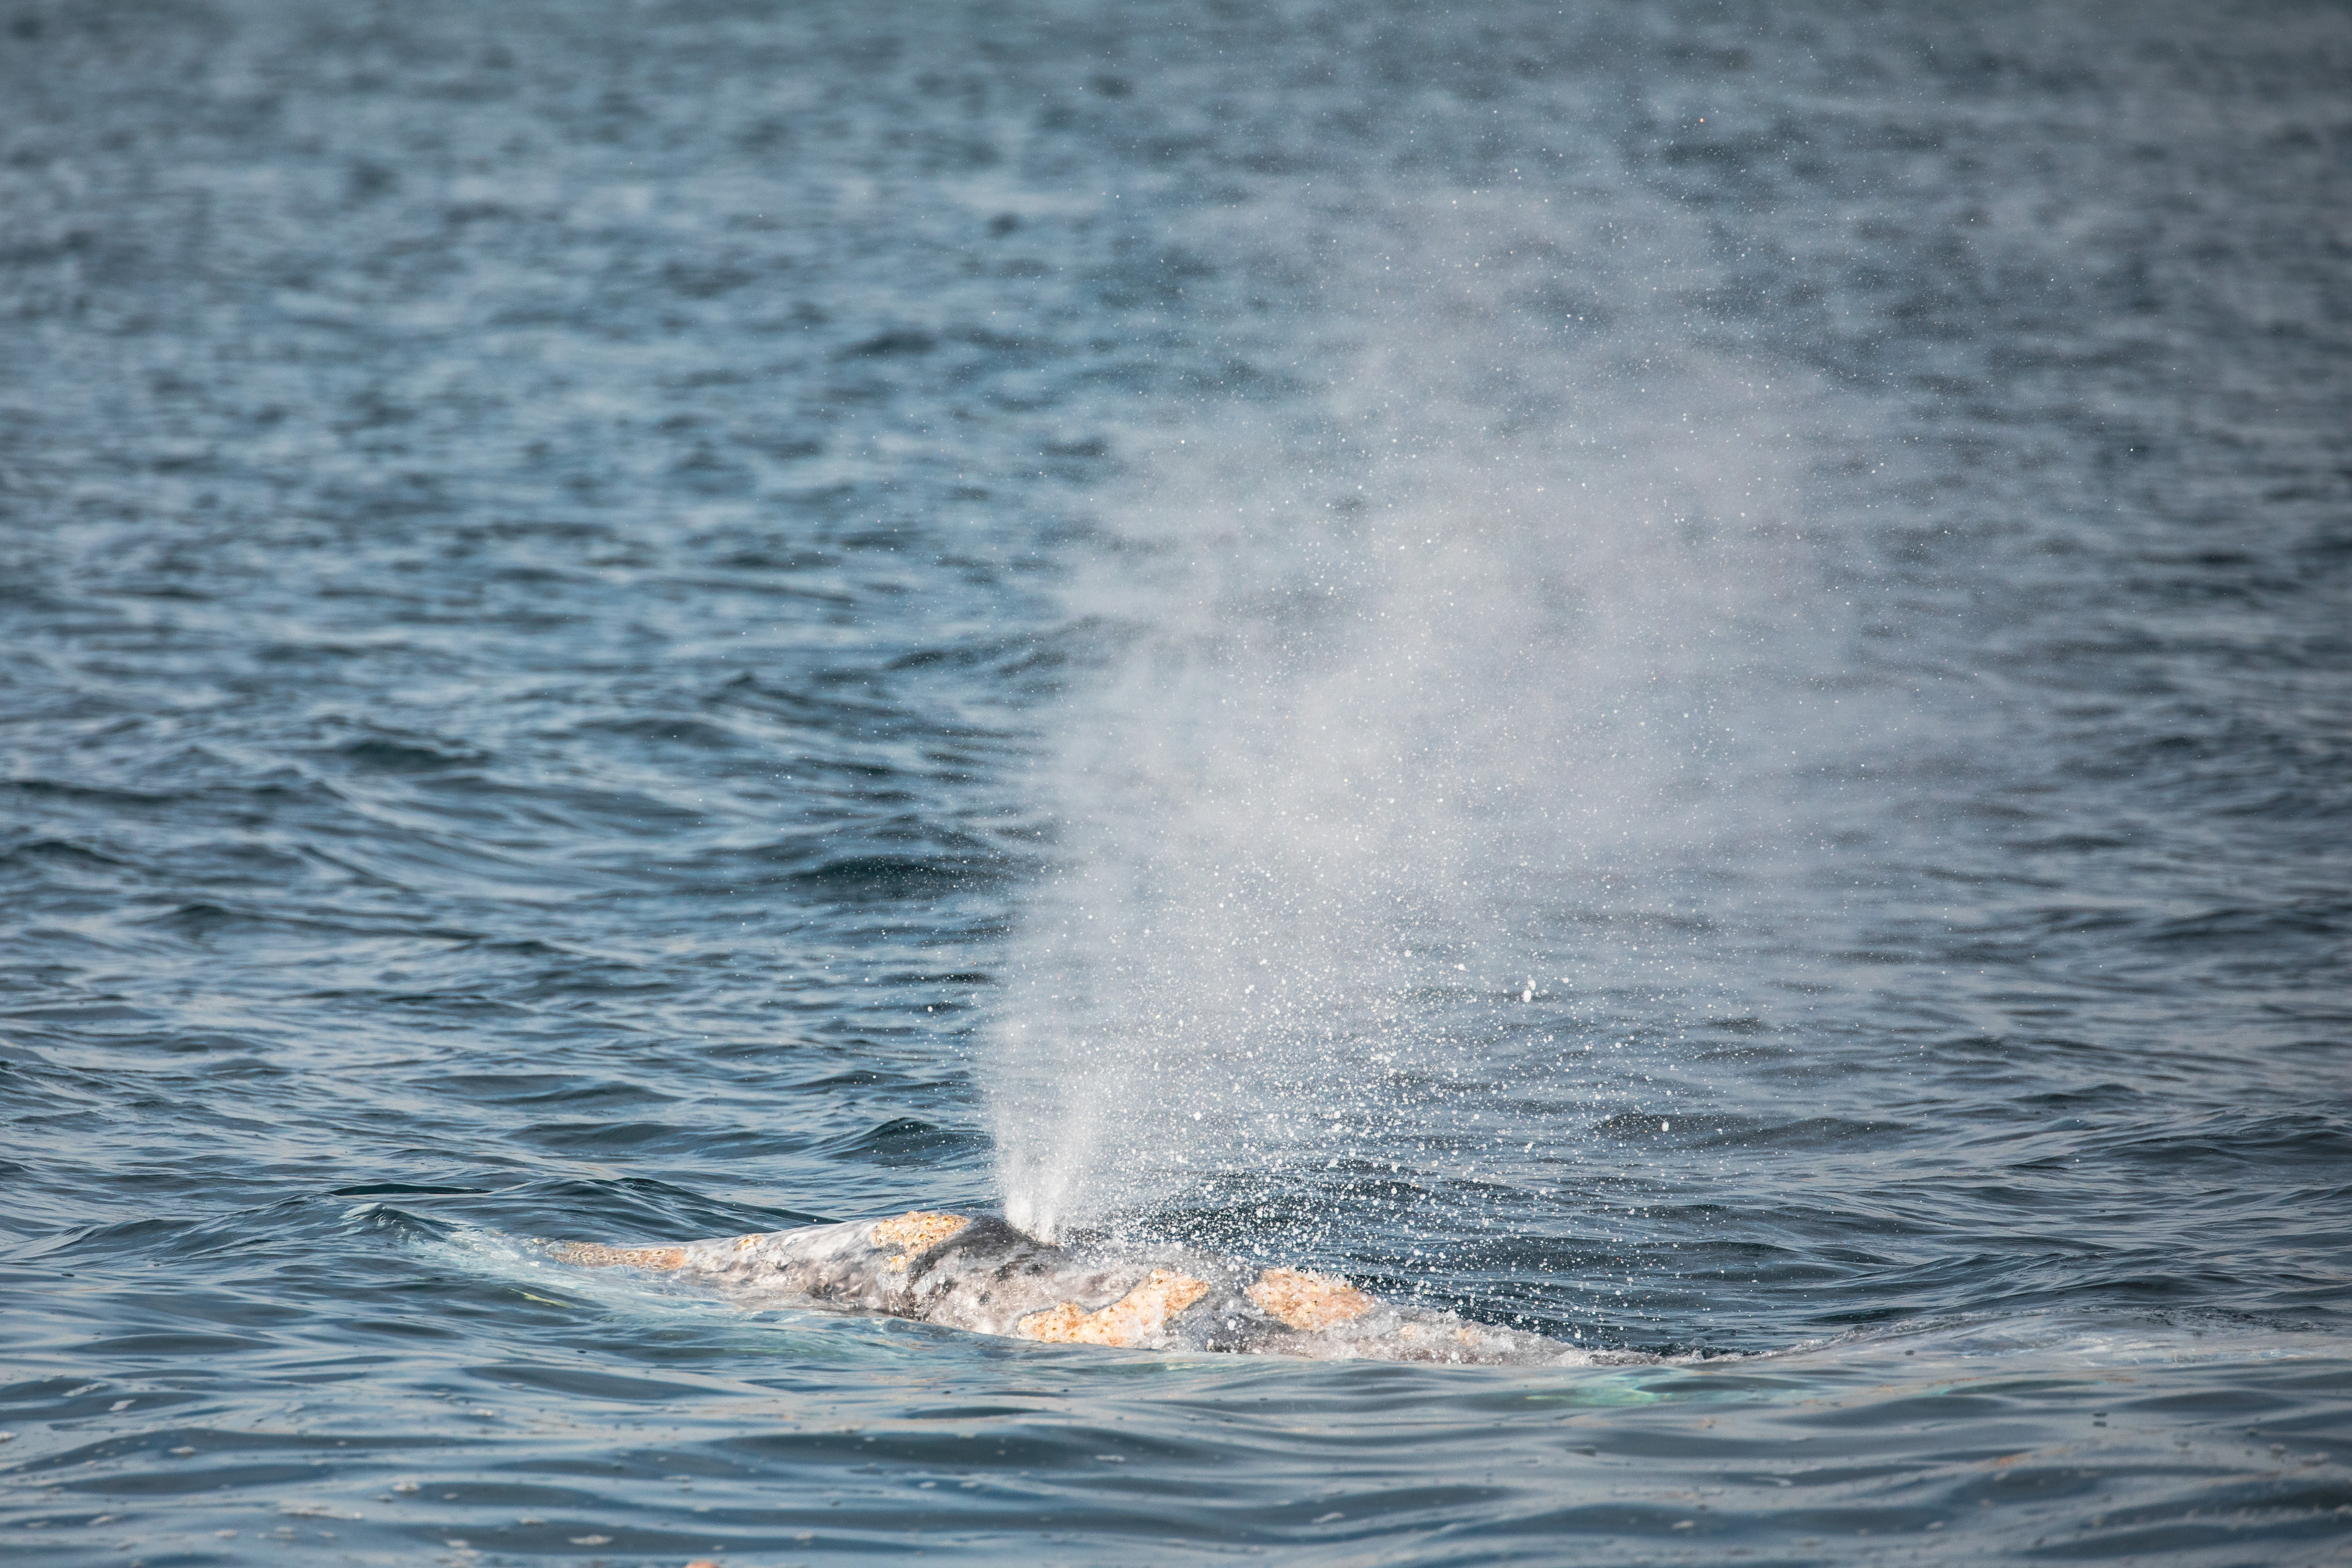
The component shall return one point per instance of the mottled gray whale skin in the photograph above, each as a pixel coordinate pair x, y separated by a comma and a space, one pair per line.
977, 1273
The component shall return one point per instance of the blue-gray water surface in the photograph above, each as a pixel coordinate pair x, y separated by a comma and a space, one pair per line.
596, 599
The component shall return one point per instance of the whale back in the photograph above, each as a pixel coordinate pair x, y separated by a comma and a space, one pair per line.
977, 1273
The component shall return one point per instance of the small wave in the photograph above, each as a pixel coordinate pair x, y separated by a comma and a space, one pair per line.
389, 756
906, 1141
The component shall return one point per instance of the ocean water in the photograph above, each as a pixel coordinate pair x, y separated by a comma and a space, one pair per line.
1673, 674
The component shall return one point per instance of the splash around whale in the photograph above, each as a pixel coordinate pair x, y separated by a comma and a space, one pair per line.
977, 1273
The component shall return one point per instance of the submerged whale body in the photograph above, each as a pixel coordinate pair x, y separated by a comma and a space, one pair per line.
980, 1274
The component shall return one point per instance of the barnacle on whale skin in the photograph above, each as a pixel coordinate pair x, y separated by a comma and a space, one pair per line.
1133, 1318
595, 1255
916, 1231
1307, 1301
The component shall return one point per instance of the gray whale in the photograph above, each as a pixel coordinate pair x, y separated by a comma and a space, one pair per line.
977, 1273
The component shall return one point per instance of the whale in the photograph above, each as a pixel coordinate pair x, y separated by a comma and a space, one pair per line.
978, 1274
